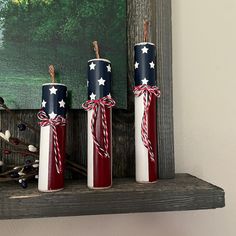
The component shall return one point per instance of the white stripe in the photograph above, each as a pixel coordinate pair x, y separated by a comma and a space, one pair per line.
141, 152
44, 158
90, 177
99, 59
58, 84
144, 43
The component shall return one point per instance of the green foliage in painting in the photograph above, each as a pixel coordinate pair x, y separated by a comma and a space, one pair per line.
61, 20
36, 33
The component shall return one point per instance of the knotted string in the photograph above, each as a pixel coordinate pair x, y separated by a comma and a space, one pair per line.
94, 105
148, 92
57, 121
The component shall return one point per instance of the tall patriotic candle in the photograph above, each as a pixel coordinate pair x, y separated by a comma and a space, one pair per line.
52, 135
146, 93
98, 105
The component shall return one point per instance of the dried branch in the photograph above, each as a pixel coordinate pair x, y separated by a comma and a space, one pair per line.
96, 49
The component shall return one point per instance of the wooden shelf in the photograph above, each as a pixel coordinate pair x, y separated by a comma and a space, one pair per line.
185, 192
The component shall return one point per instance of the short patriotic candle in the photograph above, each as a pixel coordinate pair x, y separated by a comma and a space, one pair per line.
99, 164
146, 94
52, 137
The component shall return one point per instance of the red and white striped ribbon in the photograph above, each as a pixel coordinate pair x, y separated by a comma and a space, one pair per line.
147, 91
57, 121
95, 104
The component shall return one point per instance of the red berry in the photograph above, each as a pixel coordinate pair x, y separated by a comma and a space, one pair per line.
15, 141
25, 154
7, 151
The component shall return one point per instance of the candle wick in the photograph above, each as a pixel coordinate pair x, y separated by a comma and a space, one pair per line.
145, 30
96, 49
51, 71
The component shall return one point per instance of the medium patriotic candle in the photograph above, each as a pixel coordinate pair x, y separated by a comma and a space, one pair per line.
99, 156
146, 94
52, 137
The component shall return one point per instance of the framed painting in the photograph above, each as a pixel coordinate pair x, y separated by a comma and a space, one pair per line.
37, 33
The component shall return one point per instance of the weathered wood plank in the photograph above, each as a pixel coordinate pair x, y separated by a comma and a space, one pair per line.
123, 121
185, 192
162, 19
28, 136
158, 12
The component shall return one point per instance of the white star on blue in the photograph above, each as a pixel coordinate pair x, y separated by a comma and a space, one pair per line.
99, 79
144, 64
54, 100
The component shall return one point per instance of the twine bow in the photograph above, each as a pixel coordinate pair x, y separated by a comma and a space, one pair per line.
57, 121
94, 105
147, 91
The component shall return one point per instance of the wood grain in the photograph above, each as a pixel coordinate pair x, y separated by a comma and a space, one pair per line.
28, 136
185, 192
158, 13
162, 17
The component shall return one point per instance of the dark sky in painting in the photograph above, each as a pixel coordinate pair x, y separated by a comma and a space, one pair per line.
37, 33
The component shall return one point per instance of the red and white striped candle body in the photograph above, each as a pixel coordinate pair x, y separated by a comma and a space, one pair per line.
53, 104
99, 167
145, 168
99, 156
146, 165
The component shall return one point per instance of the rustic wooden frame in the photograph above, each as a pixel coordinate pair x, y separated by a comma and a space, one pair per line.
173, 192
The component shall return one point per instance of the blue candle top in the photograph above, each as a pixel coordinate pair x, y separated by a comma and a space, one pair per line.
99, 78
145, 64
54, 99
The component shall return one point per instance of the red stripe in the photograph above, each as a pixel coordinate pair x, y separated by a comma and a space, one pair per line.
152, 135
56, 180
102, 165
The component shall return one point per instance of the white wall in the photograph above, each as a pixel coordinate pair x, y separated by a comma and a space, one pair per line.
204, 38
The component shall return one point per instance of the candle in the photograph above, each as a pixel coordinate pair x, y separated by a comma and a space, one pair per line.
146, 94
52, 136
99, 156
